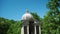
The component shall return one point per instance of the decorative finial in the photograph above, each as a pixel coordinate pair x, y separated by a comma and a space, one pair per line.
27, 11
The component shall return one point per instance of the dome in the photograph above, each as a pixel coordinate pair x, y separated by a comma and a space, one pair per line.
27, 16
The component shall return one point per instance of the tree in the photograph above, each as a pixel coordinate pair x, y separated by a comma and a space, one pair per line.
51, 21
9, 26
15, 28
4, 25
35, 16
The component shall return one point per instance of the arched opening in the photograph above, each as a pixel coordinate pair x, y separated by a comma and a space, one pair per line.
25, 29
37, 29
31, 27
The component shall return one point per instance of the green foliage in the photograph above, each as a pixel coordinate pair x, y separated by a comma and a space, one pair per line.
4, 25
9, 26
14, 28
51, 21
35, 16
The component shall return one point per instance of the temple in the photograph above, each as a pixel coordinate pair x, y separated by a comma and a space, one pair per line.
30, 25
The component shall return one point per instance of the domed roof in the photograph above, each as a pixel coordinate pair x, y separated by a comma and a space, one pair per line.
27, 16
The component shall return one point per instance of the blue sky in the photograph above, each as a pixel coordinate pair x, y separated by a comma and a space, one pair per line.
14, 9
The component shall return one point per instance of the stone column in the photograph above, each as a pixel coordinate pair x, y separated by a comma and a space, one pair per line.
22, 30
27, 29
35, 29
39, 29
